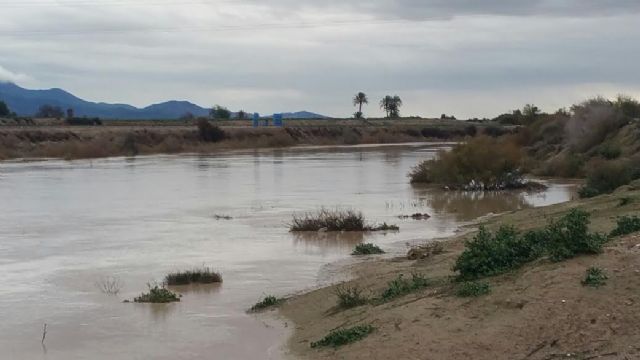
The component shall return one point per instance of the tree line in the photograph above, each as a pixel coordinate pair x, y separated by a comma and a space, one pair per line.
390, 104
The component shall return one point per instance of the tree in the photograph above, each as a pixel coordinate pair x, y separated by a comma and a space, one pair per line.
220, 112
530, 111
359, 100
391, 105
242, 115
50, 111
4, 109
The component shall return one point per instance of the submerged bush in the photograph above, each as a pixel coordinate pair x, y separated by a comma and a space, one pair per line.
344, 336
483, 162
401, 286
595, 277
329, 220
349, 297
267, 302
473, 289
157, 295
492, 254
195, 276
383, 227
626, 225
367, 249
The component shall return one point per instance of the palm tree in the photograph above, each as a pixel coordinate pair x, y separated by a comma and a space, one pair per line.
386, 104
359, 100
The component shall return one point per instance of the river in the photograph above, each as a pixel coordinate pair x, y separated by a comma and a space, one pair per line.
66, 226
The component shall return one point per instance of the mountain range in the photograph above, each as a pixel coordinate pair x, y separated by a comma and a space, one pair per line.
26, 102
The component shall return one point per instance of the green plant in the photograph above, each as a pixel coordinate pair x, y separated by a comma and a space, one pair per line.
401, 286
210, 133
626, 225
490, 254
341, 337
473, 289
595, 277
625, 201
267, 302
383, 227
349, 297
367, 249
202, 276
157, 295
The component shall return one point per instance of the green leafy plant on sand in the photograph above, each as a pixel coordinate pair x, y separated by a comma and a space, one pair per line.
626, 225
195, 276
401, 286
473, 289
595, 277
341, 337
367, 249
267, 302
492, 254
350, 297
157, 295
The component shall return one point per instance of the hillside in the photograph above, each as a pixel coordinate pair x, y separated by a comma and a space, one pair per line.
26, 102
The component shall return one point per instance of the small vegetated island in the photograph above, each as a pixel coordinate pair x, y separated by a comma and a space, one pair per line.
335, 220
482, 163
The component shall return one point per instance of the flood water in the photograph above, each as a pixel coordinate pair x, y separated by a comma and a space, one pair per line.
65, 226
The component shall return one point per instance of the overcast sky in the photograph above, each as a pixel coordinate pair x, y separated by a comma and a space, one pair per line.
462, 57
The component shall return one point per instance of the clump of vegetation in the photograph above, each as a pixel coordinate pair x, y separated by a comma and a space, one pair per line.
416, 216
341, 337
222, 217
157, 295
401, 286
482, 163
473, 289
335, 220
350, 297
195, 276
626, 225
625, 201
110, 285
367, 249
491, 254
210, 133
595, 277
329, 220
267, 302
606, 176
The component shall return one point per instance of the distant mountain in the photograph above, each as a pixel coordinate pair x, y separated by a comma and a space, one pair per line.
26, 103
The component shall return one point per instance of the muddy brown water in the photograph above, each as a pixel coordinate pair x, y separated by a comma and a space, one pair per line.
65, 226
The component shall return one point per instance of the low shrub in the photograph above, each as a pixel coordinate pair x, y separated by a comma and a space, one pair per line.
208, 132
383, 227
367, 249
473, 289
350, 297
595, 277
401, 286
490, 254
424, 251
341, 337
606, 176
157, 295
195, 276
267, 302
626, 225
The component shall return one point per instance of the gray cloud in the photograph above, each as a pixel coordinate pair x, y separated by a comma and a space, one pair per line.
470, 58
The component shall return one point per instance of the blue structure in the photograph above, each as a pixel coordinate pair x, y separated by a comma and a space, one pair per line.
277, 120
256, 120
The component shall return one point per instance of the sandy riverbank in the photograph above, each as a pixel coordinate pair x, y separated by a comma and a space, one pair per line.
538, 312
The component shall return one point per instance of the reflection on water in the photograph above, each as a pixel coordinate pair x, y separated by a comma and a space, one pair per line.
65, 224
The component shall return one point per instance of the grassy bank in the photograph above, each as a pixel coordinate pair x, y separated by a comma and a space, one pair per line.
538, 306
120, 138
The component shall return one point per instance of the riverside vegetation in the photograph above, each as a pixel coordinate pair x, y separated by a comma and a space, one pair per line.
496, 274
